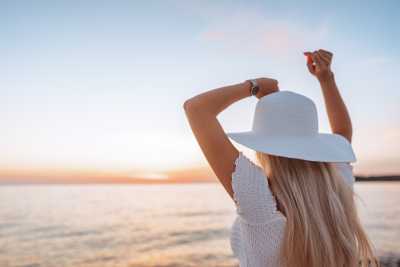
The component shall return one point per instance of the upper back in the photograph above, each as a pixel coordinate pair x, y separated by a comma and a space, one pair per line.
259, 228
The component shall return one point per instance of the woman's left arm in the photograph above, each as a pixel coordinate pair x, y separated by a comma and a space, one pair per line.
202, 111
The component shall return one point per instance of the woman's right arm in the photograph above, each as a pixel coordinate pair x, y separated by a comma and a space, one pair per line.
319, 64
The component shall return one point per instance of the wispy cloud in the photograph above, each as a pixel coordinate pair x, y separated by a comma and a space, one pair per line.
251, 31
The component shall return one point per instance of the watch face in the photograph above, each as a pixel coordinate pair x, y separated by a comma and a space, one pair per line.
255, 90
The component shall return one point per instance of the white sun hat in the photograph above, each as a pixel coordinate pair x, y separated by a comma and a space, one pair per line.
286, 124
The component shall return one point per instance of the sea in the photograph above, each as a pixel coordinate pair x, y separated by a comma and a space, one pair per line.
148, 225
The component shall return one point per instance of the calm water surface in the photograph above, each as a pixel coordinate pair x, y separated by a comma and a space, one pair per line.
166, 225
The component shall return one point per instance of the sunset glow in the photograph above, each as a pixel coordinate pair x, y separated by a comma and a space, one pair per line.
149, 175
95, 93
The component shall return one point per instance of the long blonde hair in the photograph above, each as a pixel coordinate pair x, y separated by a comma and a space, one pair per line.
323, 228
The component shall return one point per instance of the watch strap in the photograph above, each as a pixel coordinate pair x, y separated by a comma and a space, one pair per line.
254, 87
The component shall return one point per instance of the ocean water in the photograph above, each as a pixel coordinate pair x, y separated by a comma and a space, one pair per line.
156, 225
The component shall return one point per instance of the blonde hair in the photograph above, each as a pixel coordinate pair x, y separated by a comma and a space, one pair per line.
323, 228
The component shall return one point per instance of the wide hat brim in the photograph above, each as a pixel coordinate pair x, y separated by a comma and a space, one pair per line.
319, 147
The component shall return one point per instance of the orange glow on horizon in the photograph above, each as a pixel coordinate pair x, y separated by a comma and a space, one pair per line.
199, 173
151, 175
65, 175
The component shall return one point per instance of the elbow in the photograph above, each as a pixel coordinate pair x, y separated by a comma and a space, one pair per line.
197, 107
186, 105
190, 105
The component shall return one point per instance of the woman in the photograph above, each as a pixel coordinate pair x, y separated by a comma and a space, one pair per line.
297, 209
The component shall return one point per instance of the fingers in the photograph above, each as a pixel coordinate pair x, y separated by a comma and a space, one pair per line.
322, 51
310, 66
275, 84
327, 53
308, 55
318, 60
324, 59
318, 63
326, 56
310, 63
267, 86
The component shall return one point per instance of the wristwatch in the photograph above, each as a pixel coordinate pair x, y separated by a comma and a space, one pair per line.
254, 87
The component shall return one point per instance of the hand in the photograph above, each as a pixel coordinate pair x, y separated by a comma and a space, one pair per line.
319, 64
267, 86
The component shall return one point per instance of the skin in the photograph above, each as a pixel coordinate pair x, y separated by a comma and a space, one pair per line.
202, 111
319, 65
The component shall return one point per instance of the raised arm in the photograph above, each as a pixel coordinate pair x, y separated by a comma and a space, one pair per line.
319, 64
202, 111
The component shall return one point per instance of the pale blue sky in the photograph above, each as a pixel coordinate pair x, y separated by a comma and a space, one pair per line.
85, 84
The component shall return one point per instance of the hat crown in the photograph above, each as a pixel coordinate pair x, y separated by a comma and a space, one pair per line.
285, 113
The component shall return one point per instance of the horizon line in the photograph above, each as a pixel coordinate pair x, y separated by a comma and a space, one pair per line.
143, 181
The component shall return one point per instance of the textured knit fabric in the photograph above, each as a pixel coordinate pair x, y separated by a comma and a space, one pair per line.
259, 227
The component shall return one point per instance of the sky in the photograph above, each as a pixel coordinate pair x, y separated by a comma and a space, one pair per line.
96, 88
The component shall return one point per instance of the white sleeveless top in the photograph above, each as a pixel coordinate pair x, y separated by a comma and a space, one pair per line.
258, 229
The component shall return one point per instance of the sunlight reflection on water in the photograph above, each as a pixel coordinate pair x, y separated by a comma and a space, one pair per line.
168, 225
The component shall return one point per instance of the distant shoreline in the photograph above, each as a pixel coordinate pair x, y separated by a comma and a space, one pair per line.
388, 178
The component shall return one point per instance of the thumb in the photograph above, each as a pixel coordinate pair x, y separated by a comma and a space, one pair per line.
310, 66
